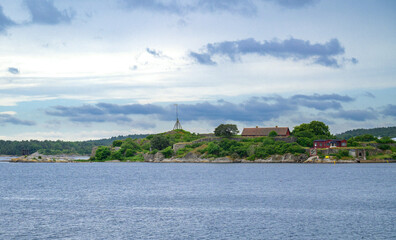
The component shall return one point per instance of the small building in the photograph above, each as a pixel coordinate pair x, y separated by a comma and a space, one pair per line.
264, 132
329, 143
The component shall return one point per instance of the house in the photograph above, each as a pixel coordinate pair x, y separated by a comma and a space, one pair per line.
329, 143
263, 132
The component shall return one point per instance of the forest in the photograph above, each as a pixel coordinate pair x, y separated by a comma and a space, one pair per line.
377, 132
58, 147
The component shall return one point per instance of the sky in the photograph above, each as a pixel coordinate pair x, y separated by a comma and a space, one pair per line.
78, 70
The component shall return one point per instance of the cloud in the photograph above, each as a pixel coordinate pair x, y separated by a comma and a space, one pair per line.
355, 115
105, 112
253, 110
244, 7
202, 58
293, 4
13, 70
9, 118
5, 22
369, 94
390, 110
296, 49
156, 53
44, 12
156, 5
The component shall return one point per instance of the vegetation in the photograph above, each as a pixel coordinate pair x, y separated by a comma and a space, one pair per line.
160, 142
57, 147
226, 130
250, 148
306, 133
378, 132
367, 138
272, 134
134, 149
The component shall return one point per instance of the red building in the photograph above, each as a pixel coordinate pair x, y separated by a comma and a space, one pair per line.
330, 143
263, 132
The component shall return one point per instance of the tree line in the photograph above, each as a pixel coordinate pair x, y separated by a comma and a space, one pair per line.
57, 147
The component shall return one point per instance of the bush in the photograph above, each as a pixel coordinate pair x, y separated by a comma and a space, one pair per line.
159, 142
168, 152
130, 153
384, 147
117, 143
117, 155
393, 156
272, 134
385, 140
342, 153
102, 153
137, 158
213, 148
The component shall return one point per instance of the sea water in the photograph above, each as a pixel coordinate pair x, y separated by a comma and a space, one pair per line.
197, 201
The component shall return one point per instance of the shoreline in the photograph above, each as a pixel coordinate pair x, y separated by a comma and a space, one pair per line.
221, 160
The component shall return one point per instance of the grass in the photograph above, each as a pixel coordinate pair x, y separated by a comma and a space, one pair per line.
379, 156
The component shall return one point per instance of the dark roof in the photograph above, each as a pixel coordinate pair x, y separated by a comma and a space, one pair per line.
281, 131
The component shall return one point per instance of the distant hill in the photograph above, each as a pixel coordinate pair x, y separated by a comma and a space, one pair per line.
58, 147
377, 132
109, 141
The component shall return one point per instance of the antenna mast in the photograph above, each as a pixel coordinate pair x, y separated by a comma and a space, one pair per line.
177, 124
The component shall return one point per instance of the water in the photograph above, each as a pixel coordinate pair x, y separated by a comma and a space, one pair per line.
6, 158
197, 201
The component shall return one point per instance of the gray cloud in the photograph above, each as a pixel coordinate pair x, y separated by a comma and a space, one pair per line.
369, 94
44, 12
13, 70
245, 7
8, 118
252, 110
5, 22
355, 115
390, 110
296, 49
202, 58
156, 53
293, 4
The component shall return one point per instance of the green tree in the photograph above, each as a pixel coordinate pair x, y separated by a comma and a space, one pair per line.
315, 127
102, 153
117, 143
226, 130
159, 142
168, 152
272, 134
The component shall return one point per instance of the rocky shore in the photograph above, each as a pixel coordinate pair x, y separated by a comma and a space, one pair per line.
40, 158
286, 158
196, 158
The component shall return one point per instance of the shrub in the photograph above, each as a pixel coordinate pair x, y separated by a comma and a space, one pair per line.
167, 152
342, 153
102, 153
137, 158
385, 140
393, 156
130, 153
384, 147
117, 143
213, 148
117, 155
272, 134
159, 142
